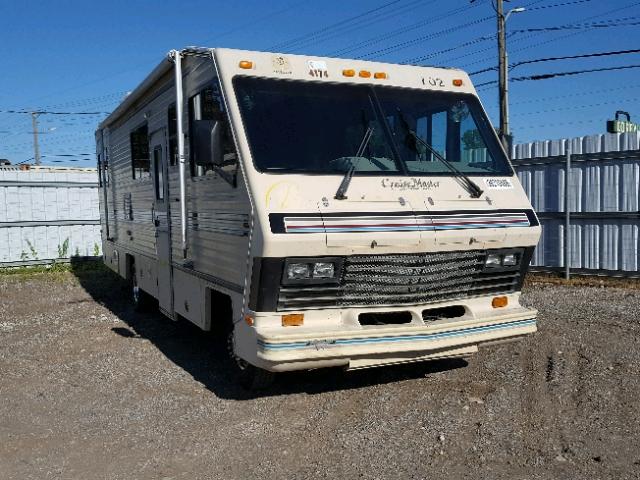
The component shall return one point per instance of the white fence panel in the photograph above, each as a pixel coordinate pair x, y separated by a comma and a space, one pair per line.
48, 213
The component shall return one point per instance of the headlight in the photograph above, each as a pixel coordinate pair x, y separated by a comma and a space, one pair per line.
493, 260
312, 270
323, 270
298, 271
510, 259
506, 259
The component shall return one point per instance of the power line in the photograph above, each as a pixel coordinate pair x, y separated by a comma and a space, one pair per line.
619, 22
568, 57
408, 43
575, 107
558, 124
485, 37
577, 94
315, 33
440, 52
400, 31
546, 76
544, 7
360, 24
46, 112
586, 55
580, 32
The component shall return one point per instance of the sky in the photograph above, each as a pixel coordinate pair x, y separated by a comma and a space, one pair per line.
84, 56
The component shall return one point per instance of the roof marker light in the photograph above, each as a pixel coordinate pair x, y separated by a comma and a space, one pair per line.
364, 73
457, 82
380, 75
246, 64
348, 72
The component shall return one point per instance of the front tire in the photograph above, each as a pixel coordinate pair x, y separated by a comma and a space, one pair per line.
249, 376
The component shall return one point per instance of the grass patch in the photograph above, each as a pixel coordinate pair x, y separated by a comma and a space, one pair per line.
88, 266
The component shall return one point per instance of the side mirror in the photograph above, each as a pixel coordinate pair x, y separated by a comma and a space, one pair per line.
208, 142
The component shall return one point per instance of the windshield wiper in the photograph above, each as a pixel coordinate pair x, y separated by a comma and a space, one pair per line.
344, 185
474, 190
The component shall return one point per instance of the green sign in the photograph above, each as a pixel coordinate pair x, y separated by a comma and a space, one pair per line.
621, 126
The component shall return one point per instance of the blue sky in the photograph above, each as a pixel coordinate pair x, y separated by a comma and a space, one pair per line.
70, 55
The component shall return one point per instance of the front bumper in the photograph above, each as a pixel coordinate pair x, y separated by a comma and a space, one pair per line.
284, 349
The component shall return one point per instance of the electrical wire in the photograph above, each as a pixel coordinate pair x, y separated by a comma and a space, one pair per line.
555, 39
400, 31
552, 59
408, 43
577, 107
291, 42
546, 76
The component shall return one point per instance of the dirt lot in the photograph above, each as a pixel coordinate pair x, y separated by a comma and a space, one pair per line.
90, 390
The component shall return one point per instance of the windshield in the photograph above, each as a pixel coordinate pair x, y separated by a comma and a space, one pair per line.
310, 127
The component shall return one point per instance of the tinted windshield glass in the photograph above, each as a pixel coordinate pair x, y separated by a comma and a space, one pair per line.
309, 127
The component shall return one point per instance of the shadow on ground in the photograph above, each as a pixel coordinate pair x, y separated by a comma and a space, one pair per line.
202, 356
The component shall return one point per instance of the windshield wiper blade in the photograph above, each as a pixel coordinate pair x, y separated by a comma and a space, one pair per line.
474, 190
344, 185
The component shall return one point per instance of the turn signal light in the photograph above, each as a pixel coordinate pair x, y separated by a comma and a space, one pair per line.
457, 82
249, 320
293, 320
499, 302
380, 75
349, 72
246, 64
364, 73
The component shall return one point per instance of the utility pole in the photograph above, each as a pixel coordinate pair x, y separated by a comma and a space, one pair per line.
36, 147
503, 85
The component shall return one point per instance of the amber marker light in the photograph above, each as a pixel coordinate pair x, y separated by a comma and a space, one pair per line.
457, 82
499, 302
246, 64
380, 75
364, 74
349, 72
249, 320
293, 320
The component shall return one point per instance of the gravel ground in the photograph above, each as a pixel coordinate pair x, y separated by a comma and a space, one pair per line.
90, 390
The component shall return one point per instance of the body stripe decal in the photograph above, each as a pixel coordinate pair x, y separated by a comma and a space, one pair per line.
396, 338
353, 223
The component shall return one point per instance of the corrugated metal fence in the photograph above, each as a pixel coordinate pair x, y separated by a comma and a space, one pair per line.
603, 199
48, 213
51, 213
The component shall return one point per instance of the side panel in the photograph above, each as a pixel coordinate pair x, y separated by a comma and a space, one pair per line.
218, 212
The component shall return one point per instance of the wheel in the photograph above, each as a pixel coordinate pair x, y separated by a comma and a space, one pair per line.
249, 376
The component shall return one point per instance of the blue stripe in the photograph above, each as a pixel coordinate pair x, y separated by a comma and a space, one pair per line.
398, 338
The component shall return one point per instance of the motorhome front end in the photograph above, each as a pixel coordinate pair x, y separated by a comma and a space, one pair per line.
333, 212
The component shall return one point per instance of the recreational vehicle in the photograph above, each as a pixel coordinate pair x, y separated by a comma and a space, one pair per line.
318, 212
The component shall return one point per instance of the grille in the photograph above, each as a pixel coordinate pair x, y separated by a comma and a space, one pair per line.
377, 280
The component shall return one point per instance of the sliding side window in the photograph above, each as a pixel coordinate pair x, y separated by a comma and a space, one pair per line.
140, 161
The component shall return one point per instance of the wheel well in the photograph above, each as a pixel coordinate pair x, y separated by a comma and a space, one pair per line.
220, 312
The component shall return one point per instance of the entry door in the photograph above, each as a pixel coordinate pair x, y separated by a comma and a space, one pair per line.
162, 220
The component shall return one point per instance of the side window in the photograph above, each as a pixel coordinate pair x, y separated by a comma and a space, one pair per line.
140, 161
211, 146
158, 173
172, 123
